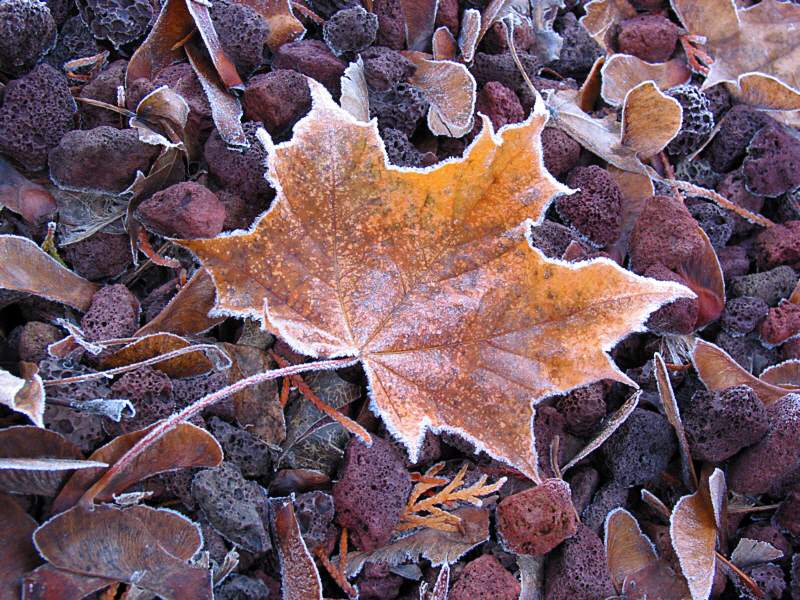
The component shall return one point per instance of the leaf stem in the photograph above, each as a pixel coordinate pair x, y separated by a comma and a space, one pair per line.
162, 427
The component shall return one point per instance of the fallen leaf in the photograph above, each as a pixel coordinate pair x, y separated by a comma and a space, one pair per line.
186, 446
602, 17
355, 94
38, 461
427, 278
82, 214
656, 580
703, 275
24, 267
138, 545
157, 344
450, 89
755, 49
161, 118
717, 370
283, 26
445, 46
636, 190
650, 120
17, 554
49, 583
589, 91
420, 19
628, 550
623, 72
20, 195
753, 552
439, 591
299, 575
24, 394
468, 34
785, 374
531, 576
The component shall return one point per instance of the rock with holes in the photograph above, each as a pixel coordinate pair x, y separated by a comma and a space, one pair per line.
315, 512
778, 245
384, 68
650, 37
400, 108
350, 30
377, 582
185, 210
34, 340
770, 580
578, 569
579, 50
27, 32
121, 22
782, 323
678, 317
640, 449
594, 210
716, 222
500, 104
150, 392
391, 24
402, 152
242, 32
276, 99
312, 58
242, 448
743, 314
485, 579
733, 187
609, 496
113, 313
561, 152
103, 87
240, 171
736, 129
552, 238
583, 408
99, 256
698, 120
771, 286
772, 166
241, 587
75, 40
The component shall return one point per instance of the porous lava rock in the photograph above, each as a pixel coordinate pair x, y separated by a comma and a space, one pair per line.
350, 30
327, 8
100, 255
552, 238
400, 108
242, 448
548, 424
778, 245
315, 512
736, 129
772, 166
583, 482
103, 159
74, 40
150, 392
771, 286
34, 339
485, 579
611, 495
698, 120
242, 32
782, 323
37, 111
377, 582
720, 423
186, 210
121, 22
402, 152
734, 262
561, 152
583, 408
577, 569
594, 210
391, 24
239, 171
770, 580
276, 99
103, 87
743, 314
717, 223
27, 32
787, 517
239, 213
538, 519
500, 104
113, 313
579, 50
502, 69
384, 68
733, 187
677, 317
650, 37
640, 449
371, 492
241, 587
312, 58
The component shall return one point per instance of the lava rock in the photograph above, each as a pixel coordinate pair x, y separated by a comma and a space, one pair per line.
640, 449
83, 429
769, 579
315, 512
312, 58
611, 495
650, 37
485, 579
734, 262
99, 256
772, 166
732, 187
787, 517
577, 570
402, 152
583, 408
240, 172
400, 108
27, 32
242, 448
538, 519
150, 392
185, 210
778, 245
377, 582
241, 587
113, 313
391, 24
242, 32
234, 506
583, 484
552, 238
186, 390
37, 111
678, 317
547, 425
384, 68
500, 104
699, 172
502, 69
736, 129
579, 50
73, 41
743, 314
104, 159
103, 87
782, 323
350, 30
595, 209
771, 286
561, 152
372, 492
277, 99
698, 120
121, 22
239, 213
327, 8
716, 222
34, 339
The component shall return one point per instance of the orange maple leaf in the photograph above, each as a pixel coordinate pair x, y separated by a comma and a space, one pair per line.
427, 277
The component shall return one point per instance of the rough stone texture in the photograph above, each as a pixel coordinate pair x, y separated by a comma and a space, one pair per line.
242, 32
778, 245
719, 424
698, 120
771, 286
561, 152
59, 9
120, 22
734, 262
312, 58
104, 88
732, 187
583, 482
772, 166
547, 424
99, 256
185, 210
719, 100
737, 128
782, 323
640, 449
242, 448
240, 172
75, 40
371, 492
769, 579
314, 512
611, 495
188, 389
82, 429
402, 152
500, 104
103, 159
277, 99
787, 517
241, 587
377, 582
650, 37
665, 233
583, 408
37, 111
113, 313
594, 210
743, 314
391, 24
239, 213
233, 506
552, 238
384, 68
577, 570
400, 108
326, 8
538, 519
678, 317
762, 468
717, 223
503, 69
34, 339
699, 172
350, 30
27, 32
485, 579
150, 392
579, 50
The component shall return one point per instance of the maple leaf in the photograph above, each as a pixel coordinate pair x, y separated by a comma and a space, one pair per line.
426, 276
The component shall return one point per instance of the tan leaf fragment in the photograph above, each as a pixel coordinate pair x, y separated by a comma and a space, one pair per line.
17, 553
157, 344
468, 35
602, 17
355, 94
752, 552
24, 394
420, 20
28, 199
450, 88
650, 120
445, 46
628, 550
299, 575
785, 374
623, 72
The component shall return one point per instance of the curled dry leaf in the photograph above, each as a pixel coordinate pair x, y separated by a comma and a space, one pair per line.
420, 20
531, 576
37, 461
24, 394
186, 446
785, 374
161, 117
753, 552
82, 214
450, 89
187, 313
468, 35
602, 17
656, 580
355, 94
20, 195
650, 120
628, 550
17, 554
439, 591
457, 320
755, 49
283, 26
717, 370
49, 583
693, 529
623, 72
299, 575
158, 344
703, 275
24, 267
445, 46
138, 545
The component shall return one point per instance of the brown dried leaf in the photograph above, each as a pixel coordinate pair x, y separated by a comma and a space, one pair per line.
17, 554
439, 591
49, 583
450, 89
157, 344
717, 370
628, 550
186, 446
650, 120
283, 26
602, 17
703, 275
785, 374
445, 46
623, 72
355, 93
138, 545
24, 394
753, 552
426, 277
161, 117
468, 35
420, 19
299, 575
657, 580
755, 49
636, 189
187, 313
20, 195
24, 267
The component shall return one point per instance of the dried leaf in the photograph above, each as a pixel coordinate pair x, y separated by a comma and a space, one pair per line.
161, 117
17, 554
440, 587
439, 547
299, 575
656, 580
468, 35
458, 322
355, 94
755, 49
785, 374
602, 17
420, 19
187, 313
717, 370
628, 550
623, 72
38, 461
24, 394
186, 446
636, 190
650, 120
20, 195
82, 214
445, 46
703, 275
547, 45
753, 552
49, 583
283, 26
24, 267
450, 89
138, 545
157, 344
531, 576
